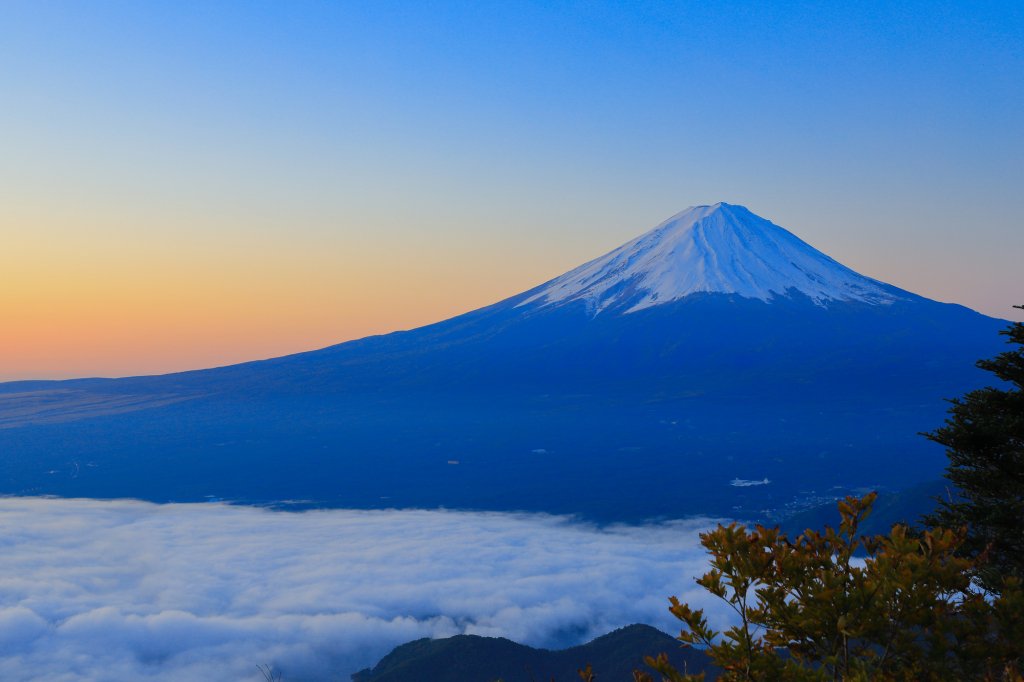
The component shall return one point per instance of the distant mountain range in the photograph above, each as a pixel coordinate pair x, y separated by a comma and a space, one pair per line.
715, 348
469, 658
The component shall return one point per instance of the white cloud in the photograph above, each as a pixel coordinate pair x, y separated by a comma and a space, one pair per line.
125, 590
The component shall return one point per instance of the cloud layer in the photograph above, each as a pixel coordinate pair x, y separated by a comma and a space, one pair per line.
125, 590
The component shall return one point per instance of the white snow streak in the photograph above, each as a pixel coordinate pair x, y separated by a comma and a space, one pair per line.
715, 249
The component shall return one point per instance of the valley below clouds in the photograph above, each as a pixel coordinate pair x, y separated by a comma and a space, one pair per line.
125, 590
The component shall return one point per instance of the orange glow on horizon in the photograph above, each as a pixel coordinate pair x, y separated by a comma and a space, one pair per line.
84, 292
81, 301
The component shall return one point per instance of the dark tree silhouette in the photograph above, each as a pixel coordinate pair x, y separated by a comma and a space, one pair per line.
808, 610
984, 440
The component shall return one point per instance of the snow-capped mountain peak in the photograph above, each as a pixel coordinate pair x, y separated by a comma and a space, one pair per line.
721, 248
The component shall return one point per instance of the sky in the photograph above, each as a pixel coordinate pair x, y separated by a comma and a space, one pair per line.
129, 591
190, 184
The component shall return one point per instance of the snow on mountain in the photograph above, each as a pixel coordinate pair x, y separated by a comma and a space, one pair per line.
539, 408
721, 249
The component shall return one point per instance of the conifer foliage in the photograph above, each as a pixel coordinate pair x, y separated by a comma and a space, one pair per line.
810, 609
984, 440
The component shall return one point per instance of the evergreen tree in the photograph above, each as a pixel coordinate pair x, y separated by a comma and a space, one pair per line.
808, 611
984, 439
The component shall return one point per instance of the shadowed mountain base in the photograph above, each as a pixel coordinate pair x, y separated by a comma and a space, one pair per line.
715, 349
469, 658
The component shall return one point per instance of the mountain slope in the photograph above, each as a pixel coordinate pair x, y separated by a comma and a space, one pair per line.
583, 395
470, 658
711, 249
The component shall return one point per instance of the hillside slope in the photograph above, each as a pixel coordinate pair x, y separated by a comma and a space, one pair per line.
470, 658
716, 347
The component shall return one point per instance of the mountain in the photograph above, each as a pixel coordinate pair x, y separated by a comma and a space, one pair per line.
717, 364
711, 249
470, 658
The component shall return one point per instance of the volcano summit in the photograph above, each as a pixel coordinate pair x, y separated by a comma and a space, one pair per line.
716, 347
719, 249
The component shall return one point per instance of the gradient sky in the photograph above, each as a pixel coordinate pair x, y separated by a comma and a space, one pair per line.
193, 184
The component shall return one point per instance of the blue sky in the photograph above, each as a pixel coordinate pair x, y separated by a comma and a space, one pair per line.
220, 181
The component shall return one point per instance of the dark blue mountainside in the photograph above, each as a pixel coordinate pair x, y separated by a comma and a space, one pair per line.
715, 365
471, 658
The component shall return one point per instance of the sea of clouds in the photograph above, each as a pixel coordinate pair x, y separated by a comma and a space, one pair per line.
127, 590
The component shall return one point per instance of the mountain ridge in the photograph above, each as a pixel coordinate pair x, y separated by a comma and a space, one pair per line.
472, 658
718, 248
531, 407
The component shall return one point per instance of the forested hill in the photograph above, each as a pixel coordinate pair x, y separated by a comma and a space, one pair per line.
470, 658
